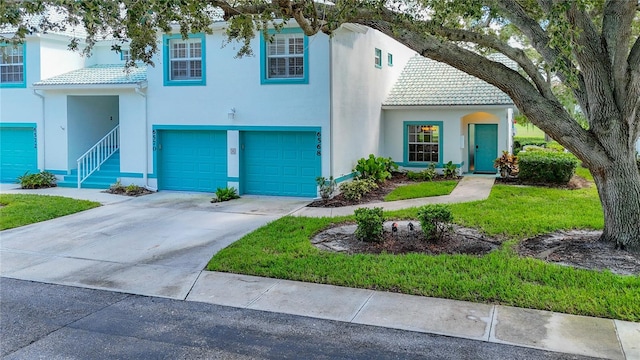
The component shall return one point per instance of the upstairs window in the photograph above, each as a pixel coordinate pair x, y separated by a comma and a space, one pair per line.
184, 60
284, 58
390, 59
378, 58
125, 55
12, 69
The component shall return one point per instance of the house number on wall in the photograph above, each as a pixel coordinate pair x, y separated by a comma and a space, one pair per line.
154, 140
319, 145
35, 138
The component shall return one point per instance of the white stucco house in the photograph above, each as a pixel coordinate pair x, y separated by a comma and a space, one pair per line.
302, 107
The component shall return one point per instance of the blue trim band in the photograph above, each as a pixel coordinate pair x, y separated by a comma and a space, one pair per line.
345, 177
57, 172
18, 125
233, 179
131, 175
236, 127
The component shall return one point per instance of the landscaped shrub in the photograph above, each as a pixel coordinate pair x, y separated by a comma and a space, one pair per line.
506, 164
427, 174
546, 166
435, 220
225, 194
377, 168
554, 145
43, 179
326, 187
520, 142
354, 190
450, 171
129, 190
370, 224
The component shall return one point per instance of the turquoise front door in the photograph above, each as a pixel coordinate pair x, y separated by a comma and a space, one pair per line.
486, 147
284, 163
192, 160
18, 152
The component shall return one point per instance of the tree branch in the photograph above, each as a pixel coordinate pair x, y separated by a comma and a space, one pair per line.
512, 53
513, 11
616, 31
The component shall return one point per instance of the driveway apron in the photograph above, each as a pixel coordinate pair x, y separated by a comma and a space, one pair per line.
152, 245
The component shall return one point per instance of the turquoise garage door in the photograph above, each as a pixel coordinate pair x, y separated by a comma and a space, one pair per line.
18, 152
280, 163
192, 160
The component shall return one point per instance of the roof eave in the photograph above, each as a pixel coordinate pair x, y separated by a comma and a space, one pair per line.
440, 106
138, 85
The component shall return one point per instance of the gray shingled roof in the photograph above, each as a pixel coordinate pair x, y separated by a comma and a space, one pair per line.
426, 82
114, 74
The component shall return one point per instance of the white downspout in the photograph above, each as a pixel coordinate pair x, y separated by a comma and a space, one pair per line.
44, 156
146, 139
331, 139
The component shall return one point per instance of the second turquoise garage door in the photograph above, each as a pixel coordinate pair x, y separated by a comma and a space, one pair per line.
192, 160
18, 152
280, 163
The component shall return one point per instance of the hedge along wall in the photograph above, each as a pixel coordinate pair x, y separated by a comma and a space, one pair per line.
546, 166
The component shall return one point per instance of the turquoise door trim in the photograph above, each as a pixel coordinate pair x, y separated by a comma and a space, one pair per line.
281, 163
486, 147
18, 150
190, 160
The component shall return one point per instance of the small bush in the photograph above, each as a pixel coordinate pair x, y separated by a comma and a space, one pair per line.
554, 145
225, 194
435, 220
427, 174
326, 187
546, 167
520, 142
376, 168
506, 164
354, 190
450, 171
370, 224
129, 190
43, 179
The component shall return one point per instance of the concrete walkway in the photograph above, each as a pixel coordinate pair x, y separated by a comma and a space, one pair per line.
158, 244
470, 188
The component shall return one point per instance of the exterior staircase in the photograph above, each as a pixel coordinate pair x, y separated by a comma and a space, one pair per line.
101, 179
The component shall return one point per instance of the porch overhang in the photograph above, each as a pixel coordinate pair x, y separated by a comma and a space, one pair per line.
139, 85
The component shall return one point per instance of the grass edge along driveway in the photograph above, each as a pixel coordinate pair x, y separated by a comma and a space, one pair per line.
281, 249
24, 209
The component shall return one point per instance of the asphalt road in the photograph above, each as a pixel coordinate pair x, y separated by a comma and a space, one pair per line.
44, 321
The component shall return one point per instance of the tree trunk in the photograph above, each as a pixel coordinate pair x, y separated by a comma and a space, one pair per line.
618, 186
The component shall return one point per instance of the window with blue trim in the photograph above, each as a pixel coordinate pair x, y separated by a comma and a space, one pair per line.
184, 60
378, 58
423, 143
12, 68
284, 58
390, 59
125, 54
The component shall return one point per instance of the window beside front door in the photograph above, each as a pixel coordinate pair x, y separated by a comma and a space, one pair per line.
423, 143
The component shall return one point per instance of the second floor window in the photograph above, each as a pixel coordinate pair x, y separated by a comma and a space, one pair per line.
284, 57
12, 66
184, 60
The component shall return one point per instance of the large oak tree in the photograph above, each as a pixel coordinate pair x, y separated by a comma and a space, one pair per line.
590, 46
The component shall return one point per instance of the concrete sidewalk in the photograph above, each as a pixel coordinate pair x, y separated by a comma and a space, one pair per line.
470, 188
581, 335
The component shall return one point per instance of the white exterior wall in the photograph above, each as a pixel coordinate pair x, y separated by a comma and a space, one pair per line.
454, 133
359, 88
235, 83
57, 58
133, 138
55, 132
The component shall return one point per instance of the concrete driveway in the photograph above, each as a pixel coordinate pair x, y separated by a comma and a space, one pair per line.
151, 245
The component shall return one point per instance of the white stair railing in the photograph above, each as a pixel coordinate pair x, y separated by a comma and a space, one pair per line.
90, 161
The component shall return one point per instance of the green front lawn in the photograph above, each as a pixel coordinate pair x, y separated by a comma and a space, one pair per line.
24, 209
282, 249
422, 189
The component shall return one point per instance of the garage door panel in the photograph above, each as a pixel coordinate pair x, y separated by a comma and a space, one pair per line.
18, 152
193, 160
280, 163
